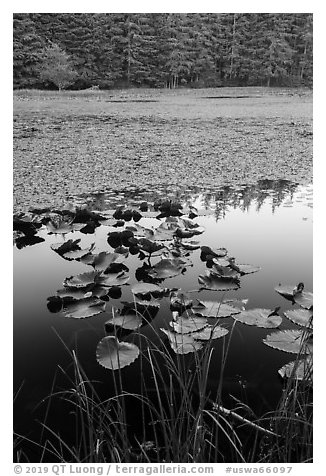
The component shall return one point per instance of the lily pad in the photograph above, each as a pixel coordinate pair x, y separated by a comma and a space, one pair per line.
150, 247
224, 272
304, 299
210, 332
221, 261
214, 309
119, 238
66, 246
190, 245
214, 283
127, 320
237, 303
78, 254
62, 227
103, 260
114, 355
289, 291
185, 233
141, 231
72, 293
163, 233
181, 343
292, 341
186, 325
180, 301
302, 317
82, 280
26, 240
114, 279
208, 253
146, 288
83, 308
166, 268
260, 318
299, 370
247, 268
25, 225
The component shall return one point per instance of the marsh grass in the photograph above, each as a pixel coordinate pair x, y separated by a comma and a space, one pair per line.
177, 421
293, 419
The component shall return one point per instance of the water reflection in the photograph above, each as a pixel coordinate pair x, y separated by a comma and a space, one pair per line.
218, 200
267, 225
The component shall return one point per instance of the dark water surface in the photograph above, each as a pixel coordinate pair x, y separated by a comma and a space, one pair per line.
268, 224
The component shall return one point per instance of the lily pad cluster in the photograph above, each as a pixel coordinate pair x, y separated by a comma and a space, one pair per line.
296, 341
165, 251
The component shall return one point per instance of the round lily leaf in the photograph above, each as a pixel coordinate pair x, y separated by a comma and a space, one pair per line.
289, 341
214, 283
304, 299
237, 303
208, 253
146, 288
103, 260
82, 280
114, 279
302, 317
210, 332
115, 355
181, 343
72, 293
78, 254
248, 268
83, 308
150, 247
221, 261
190, 245
141, 231
115, 292
69, 245
62, 227
180, 301
185, 233
259, 318
163, 233
289, 291
186, 325
166, 268
131, 320
214, 309
224, 272
299, 370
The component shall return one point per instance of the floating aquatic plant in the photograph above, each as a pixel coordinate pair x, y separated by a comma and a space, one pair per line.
188, 323
85, 307
215, 283
292, 341
301, 369
260, 318
210, 333
115, 355
302, 317
182, 343
214, 309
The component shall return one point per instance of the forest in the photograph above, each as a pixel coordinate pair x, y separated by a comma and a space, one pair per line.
161, 50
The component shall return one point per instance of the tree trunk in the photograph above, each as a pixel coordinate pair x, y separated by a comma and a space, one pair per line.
304, 62
232, 46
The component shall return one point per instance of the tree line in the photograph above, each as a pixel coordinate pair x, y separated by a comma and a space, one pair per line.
161, 49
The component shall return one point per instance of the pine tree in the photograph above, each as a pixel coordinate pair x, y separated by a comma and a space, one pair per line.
27, 51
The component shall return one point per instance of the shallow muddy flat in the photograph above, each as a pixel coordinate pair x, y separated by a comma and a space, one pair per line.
76, 143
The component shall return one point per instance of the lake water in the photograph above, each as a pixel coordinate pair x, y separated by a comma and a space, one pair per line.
268, 224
